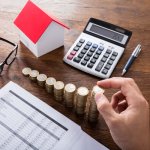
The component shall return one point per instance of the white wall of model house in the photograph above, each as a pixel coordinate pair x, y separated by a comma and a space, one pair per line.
51, 39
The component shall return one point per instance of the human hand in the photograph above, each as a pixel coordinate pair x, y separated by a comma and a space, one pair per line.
127, 114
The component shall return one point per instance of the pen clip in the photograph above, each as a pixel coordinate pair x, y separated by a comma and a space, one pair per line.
137, 50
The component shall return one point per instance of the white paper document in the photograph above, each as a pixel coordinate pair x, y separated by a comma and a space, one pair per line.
27, 123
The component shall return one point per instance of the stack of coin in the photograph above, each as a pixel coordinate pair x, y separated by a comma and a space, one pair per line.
93, 112
69, 92
26, 71
33, 75
41, 78
81, 99
49, 85
58, 90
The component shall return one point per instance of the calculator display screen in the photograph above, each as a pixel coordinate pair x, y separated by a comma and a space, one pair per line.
107, 33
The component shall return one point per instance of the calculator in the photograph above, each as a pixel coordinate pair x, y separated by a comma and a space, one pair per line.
98, 48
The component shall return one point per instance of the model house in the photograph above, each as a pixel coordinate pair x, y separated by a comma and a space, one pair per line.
39, 32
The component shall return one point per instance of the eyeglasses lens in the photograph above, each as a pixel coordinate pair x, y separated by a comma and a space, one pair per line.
11, 57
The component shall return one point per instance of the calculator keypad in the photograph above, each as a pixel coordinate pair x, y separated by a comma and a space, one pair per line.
76, 48
99, 66
93, 56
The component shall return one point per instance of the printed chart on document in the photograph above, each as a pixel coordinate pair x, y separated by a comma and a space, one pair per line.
32, 125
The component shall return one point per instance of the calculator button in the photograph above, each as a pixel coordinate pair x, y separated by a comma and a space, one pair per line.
76, 48
96, 56
115, 53
93, 60
110, 62
99, 66
106, 55
103, 59
77, 59
90, 65
107, 66
84, 62
86, 58
83, 51
104, 71
89, 43
86, 47
113, 57
101, 48
79, 44
92, 49
70, 57
80, 55
95, 46
90, 54
98, 52
82, 41
108, 51
73, 52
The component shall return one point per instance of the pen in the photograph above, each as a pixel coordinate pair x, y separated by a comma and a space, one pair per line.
134, 55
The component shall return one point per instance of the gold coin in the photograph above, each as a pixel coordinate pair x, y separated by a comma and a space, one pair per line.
97, 89
59, 85
41, 78
83, 91
33, 75
26, 71
93, 112
49, 85
81, 99
70, 88
80, 110
69, 92
50, 81
58, 90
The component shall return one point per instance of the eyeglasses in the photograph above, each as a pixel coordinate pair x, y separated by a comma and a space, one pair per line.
11, 57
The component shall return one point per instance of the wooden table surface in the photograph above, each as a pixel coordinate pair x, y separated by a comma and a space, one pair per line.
130, 14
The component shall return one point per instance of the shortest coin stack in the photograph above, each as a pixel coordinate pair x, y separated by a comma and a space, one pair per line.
26, 71
41, 78
49, 85
81, 99
69, 92
58, 90
93, 112
33, 75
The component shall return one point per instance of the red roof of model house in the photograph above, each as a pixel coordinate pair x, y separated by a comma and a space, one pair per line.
33, 21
